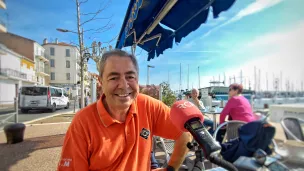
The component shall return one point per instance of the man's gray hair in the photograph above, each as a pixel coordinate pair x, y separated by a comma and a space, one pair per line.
194, 89
116, 52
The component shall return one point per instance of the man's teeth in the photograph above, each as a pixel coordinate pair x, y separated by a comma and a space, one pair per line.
123, 95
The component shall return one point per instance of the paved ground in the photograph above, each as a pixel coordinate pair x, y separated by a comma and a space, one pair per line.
39, 151
33, 115
42, 146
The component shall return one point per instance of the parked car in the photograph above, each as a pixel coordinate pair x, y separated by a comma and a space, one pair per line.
42, 98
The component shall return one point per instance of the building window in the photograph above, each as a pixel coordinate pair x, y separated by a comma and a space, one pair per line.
68, 76
52, 63
67, 63
52, 75
52, 51
67, 52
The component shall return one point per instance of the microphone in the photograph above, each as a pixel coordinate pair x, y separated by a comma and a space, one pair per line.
188, 118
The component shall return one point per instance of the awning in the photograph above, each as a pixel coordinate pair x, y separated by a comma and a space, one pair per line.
153, 25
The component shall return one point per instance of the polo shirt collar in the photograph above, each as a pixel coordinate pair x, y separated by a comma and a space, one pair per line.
106, 118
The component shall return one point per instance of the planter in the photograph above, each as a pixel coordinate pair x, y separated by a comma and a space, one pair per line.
14, 133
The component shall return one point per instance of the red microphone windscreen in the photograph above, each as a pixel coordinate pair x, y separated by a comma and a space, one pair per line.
182, 111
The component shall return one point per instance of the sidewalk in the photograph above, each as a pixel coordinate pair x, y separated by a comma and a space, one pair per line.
40, 149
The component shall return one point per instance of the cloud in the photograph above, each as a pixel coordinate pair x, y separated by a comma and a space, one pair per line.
282, 52
255, 7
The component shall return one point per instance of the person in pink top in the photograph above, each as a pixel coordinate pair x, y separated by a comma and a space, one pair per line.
237, 107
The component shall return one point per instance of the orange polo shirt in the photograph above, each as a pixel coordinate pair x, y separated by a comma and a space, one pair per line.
96, 141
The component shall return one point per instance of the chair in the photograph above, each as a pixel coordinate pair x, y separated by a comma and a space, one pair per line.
261, 115
292, 128
231, 130
167, 146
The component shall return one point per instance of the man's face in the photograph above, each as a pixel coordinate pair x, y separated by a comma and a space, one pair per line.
194, 94
119, 82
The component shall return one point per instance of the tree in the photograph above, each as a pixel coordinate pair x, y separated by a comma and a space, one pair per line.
88, 18
150, 90
168, 96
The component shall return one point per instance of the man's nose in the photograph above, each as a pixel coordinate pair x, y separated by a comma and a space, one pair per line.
123, 83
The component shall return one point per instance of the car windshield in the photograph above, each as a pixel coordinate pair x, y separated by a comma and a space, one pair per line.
34, 91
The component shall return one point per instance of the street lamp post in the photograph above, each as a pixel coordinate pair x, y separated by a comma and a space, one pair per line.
82, 59
148, 73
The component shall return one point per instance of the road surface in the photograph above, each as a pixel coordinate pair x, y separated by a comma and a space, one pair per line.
32, 115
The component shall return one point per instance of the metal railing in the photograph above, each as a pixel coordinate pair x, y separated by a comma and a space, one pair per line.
11, 112
12, 73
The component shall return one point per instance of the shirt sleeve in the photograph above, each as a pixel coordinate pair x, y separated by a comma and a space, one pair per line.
202, 107
162, 124
226, 110
74, 155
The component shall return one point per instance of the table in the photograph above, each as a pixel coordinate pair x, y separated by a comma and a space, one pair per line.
216, 111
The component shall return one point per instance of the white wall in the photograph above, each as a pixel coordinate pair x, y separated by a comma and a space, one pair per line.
60, 58
30, 73
9, 60
7, 91
39, 50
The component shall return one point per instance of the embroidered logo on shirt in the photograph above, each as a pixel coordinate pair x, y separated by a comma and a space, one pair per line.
145, 133
65, 162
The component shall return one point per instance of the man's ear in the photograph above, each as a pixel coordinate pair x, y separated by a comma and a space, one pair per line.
99, 80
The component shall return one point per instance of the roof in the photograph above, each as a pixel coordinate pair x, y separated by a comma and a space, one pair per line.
59, 44
12, 34
2, 46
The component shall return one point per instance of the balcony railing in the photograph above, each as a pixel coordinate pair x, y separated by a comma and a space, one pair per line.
42, 70
12, 73
43, 58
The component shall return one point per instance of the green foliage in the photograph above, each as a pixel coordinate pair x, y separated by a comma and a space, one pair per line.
168, 96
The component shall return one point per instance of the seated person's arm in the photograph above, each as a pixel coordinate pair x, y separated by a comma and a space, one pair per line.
74, 155
201, 106
164, 127
226, 110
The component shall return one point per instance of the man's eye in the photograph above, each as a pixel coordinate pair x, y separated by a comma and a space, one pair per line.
113, 78
130, 77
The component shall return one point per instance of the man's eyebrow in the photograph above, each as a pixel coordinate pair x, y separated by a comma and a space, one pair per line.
118, 74
113, 74
130, 72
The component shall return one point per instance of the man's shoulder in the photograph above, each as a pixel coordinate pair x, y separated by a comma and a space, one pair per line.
143, 98
86, 113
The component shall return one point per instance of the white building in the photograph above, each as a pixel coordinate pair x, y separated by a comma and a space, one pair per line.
31, 50
42, 72
64, 65
12, 75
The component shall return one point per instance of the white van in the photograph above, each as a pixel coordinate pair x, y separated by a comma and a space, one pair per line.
42, 98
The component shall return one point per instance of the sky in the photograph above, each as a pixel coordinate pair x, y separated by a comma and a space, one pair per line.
266, 34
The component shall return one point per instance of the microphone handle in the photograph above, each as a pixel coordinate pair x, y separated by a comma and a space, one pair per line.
222, 163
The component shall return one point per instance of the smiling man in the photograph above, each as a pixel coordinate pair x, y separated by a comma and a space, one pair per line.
116, 132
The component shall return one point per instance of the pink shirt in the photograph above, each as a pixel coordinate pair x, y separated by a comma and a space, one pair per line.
238, 108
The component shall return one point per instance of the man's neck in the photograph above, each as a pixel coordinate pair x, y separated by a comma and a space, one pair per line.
119, 115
